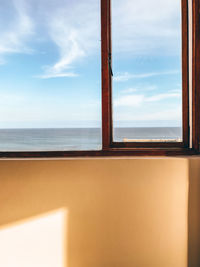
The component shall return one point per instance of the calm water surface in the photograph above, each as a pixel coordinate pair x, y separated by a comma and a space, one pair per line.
76, 138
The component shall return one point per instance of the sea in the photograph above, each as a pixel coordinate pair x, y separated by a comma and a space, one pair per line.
72, 139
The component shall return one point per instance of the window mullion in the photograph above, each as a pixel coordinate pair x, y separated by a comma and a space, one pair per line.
195, 76
185, 72
106, 75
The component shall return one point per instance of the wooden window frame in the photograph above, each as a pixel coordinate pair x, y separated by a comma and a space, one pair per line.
107, 90
196, 75
110, 148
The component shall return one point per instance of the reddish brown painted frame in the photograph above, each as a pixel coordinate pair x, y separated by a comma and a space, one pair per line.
109, 148
196, 75
106, 77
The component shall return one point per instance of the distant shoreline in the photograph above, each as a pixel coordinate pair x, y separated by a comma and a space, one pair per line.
57, 128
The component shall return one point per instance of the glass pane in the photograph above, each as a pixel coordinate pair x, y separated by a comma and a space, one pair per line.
50, 75
147, 82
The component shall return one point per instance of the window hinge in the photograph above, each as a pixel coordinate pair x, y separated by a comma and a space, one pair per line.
110, 63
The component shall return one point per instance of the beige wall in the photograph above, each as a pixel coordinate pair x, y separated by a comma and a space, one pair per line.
194, 214
95, 212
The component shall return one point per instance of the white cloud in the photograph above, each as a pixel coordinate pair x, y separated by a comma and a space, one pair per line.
144, 88
160, 97
169, 114
146, 26
126, 76
75, 29
122, 77
135, 100
129, 90
15, 31
56, 75
69, 48
73, 26
129, 101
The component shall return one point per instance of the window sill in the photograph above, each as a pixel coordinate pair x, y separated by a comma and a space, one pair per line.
112, 152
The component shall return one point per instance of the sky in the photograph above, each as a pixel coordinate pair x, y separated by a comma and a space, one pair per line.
50, 63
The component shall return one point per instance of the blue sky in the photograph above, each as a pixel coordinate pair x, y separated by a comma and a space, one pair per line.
50, 63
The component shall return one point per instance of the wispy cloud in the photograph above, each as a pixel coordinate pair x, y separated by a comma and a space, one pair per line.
51, 75
69, 49
160, 97
129, 90
169, 114
75, 30
136, 100
140, 32
16, 32
144, 88
74, 27
126, 76
129, 101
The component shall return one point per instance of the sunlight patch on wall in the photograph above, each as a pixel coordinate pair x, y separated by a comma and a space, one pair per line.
36, 242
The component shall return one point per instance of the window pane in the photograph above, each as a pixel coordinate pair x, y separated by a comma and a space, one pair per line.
50, 75
147, 83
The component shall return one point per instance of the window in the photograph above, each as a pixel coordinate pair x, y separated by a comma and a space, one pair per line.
147, 82
53, 87
50, 79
